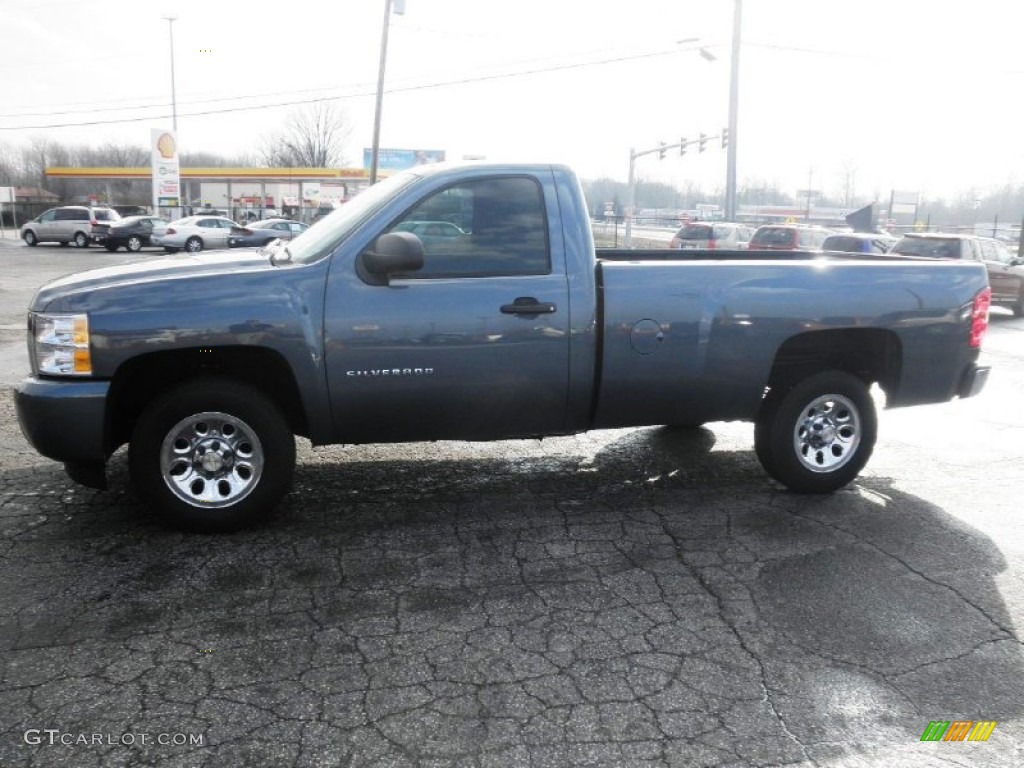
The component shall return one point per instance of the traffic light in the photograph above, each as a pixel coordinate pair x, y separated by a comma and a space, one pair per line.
661, 152
725, 138
703, 142
682, 146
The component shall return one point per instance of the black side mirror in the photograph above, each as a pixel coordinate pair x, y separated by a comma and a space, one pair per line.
393, 252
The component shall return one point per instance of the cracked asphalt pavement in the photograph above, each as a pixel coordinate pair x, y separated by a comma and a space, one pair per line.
641, 597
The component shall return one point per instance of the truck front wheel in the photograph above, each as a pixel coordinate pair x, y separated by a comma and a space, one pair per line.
816, 436
212, 455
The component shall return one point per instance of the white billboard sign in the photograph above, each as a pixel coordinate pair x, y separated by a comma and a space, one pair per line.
166, 174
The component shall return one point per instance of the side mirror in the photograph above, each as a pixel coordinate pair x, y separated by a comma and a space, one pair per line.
393, 252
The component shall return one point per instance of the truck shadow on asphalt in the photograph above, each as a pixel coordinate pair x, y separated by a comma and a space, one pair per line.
732, 620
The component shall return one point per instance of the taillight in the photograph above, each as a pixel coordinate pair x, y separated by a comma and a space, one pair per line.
979, 317
93, 222
170, 231
711, 245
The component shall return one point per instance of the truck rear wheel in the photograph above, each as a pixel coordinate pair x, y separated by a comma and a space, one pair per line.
817, 436
212, 455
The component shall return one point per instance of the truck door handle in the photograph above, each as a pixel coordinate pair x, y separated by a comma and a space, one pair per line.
527, 305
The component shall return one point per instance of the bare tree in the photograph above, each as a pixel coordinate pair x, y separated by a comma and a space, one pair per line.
314, 138
848, 182
10, 168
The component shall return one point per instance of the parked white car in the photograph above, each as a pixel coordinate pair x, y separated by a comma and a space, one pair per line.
712, 236
196, 233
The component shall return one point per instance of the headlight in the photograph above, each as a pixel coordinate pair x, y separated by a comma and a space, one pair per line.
62, 345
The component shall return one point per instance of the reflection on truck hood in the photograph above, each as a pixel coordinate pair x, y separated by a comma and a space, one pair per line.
152, 270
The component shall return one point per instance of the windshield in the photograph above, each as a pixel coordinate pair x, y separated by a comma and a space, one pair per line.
320, 239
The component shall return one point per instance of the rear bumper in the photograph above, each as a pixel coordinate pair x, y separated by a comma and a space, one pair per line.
973, 380
64, 420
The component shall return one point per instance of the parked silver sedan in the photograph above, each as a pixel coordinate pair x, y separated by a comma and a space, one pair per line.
196, 233
262, 233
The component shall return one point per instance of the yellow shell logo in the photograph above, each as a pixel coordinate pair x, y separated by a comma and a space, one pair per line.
165, 146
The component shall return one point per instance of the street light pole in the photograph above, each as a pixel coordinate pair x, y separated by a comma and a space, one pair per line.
630, 198
375, 151
174, 96
734, 97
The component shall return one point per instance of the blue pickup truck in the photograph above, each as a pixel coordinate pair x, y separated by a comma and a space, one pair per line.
504, 324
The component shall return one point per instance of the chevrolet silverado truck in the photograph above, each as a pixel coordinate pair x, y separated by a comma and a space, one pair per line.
503, 323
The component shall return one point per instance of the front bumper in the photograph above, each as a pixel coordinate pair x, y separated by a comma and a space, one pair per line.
64, 420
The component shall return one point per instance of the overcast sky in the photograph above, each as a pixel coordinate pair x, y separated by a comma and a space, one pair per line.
907, 94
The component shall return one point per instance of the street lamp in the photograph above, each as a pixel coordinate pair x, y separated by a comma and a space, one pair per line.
399, 9
734, 97
174, 98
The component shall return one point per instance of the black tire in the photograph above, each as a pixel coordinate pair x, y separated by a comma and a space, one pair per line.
81, 240
1018, 306
250, 447
30, 238
193, 245
110, 247
816, 436
133, 244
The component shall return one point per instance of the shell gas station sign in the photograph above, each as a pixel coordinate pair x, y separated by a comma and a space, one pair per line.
166, 174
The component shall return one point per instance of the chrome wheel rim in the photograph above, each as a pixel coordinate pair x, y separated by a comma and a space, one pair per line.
827, 433
211, 459
134, 244
194, 246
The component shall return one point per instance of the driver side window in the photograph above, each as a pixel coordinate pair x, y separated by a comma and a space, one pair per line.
481, 228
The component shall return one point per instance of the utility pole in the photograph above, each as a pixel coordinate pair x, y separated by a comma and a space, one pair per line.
734, 98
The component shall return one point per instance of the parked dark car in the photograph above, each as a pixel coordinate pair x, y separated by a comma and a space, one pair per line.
788, 237
133, 233
1005, 271
261, 233
859, 242
131, 210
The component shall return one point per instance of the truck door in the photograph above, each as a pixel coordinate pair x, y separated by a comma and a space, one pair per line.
475, 344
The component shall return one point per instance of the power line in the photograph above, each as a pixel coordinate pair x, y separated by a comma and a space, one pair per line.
131, 103
402, 89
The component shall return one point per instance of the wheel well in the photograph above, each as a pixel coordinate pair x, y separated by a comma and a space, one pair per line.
140, 380
870, 354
